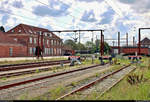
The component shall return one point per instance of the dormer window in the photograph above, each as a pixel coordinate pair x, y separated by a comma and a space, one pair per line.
15, 39
45, 33
50, 34
30, 31
39, 32
19, 31
12, 31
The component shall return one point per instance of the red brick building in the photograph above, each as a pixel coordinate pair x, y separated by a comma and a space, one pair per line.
9, 47
30, 37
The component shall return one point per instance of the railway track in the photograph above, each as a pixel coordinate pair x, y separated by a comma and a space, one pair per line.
104, 84
21, 85
25, 71
45, 77
31, 65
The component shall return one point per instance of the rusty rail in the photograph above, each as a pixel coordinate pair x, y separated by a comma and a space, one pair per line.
91, 83
45, 77
30, 65
7, 75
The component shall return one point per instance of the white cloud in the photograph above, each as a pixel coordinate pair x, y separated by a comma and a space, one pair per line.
126, 14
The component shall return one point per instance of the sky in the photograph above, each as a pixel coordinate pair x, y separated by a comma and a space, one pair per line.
113, 16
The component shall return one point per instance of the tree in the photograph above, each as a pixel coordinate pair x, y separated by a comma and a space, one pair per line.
70, 43
97, 44
107, 48
81, 46
90, 46
2, 29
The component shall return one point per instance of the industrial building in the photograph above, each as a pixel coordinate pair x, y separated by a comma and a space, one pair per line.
145, 48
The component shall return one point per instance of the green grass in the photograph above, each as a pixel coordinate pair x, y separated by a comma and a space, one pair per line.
125, 91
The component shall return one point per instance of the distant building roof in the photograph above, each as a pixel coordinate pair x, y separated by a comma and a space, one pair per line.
145, 41
28, 29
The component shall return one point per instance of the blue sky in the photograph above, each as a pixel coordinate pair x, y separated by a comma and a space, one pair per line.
110, 15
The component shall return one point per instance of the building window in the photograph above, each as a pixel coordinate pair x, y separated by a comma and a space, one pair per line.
54, 51
60, 51
34, 50
30, 40
10, 51
15, 39
45, 51
57, 50
47, 42
30, 50
34, 40
51, 42
19, 31
51, 51
30, 31
12, 31
54, 42
45, 34
50, 35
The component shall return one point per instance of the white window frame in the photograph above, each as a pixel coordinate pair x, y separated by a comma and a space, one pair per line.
19, 30
34, 50
12, 31
30, 50
30, 40
35, 41
52, 42
15, 39
50, 35
30, 31
47, 42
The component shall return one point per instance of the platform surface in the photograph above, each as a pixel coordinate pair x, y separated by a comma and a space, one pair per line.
29, 58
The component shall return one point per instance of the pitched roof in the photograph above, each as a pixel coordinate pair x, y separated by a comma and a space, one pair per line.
28, 29
5, 39
145, 41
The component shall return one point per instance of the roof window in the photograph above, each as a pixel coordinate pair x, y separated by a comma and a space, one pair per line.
19, 30
12, 31
30, 31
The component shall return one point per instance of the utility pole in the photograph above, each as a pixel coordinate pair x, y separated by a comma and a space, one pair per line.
139, 44
127, 38
92, 37
79, 36
102, 44
133, 40
38, 46
118, 42
113, 43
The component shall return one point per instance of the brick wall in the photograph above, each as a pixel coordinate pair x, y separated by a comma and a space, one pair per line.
17, 50
133, 50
